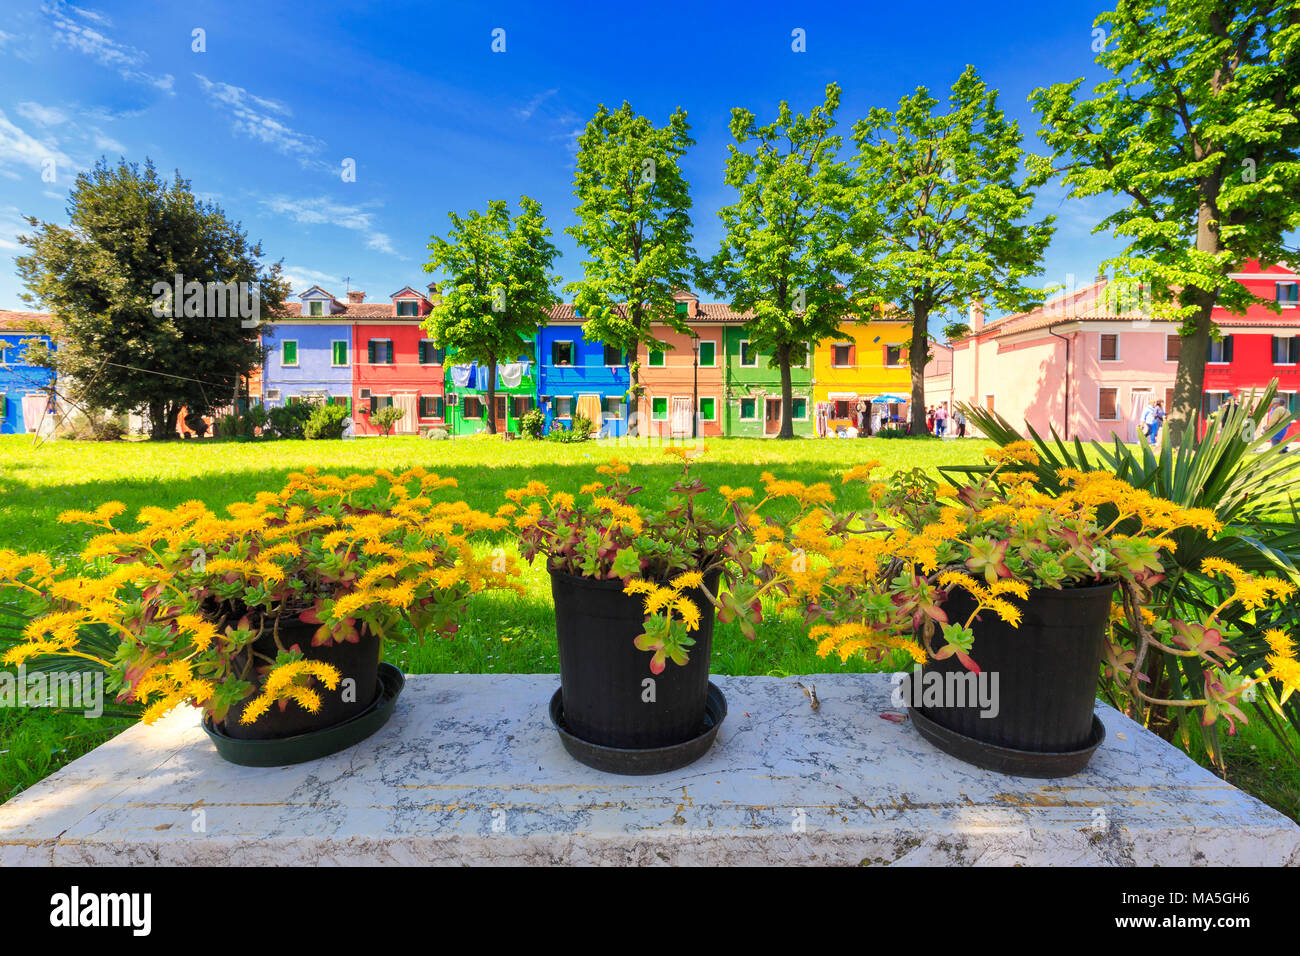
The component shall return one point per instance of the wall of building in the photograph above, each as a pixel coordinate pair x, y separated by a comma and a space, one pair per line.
762, 384
680, 379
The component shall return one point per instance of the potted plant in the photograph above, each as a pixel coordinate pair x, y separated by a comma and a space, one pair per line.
270, 618
1004, 595
637, 588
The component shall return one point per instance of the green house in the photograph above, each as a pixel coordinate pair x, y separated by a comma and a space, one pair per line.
753, 390
465, 390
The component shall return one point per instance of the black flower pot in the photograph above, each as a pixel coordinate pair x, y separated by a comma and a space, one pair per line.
358, 662
1047, 671
605, 699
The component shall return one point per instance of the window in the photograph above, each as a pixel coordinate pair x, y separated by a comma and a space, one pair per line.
380, 401
708, 409
289, 352
748, 354
1173, 347
561, 353
1108, 404
659, 409
893, 356
1286, 350
339, 353
682, 308
1220, 351
841, 355
799, 409
1288, 293
431, 406
430, 354
564, 406
1169, 399
841, 409
613, 356
316, 308
610, 405
1213, 401
408, 307
656, 359
748, 409
988, 403
708, 353
1110, 346
1292, 401
473, 407
380, 351
521, 405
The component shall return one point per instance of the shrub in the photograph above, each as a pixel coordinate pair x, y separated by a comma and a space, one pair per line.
97, 425
386, 418
288, 420
533, 424
581, 431
326, 421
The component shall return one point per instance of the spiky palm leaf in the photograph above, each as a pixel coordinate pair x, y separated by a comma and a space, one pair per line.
1233, 470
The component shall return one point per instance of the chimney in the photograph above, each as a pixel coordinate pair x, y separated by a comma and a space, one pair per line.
356, 298
977, 315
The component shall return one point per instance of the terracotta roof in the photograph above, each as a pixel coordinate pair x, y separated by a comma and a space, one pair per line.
11, 321
352, 310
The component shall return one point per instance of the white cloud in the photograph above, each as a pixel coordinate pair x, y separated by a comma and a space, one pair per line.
106, 144
324, 211
5, 37
300, 279
21, 148
11, 224
42, 115
527, 112
251, 115
127, 60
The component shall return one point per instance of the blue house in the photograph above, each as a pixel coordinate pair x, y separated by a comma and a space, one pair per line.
309, 355
580, 376
24, 388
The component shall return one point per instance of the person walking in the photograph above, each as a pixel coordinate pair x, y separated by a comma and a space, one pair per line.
929, 419
941, 420
1149, 425
1276, 412
1160, 420
864, 423
959, 419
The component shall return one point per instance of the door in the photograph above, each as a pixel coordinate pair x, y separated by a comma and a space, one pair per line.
680, 417
772, 417
501, 413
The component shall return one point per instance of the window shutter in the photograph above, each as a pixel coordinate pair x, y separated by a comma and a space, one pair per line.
1227, 348
370, 351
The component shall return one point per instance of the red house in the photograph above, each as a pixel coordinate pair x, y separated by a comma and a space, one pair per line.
395, 363
1259, 346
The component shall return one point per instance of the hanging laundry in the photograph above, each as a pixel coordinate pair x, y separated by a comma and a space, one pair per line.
481, 376
461, 375
509, 376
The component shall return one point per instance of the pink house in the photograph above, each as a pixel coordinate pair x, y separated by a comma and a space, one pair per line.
1083, 363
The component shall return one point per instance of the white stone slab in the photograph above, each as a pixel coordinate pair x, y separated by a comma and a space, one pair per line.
470, 771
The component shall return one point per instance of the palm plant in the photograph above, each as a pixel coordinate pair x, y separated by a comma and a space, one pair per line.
1233, 470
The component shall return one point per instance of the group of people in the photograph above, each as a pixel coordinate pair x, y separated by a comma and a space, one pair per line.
939, 421
1152, 418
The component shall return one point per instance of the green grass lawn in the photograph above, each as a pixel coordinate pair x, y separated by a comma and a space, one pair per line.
502, 634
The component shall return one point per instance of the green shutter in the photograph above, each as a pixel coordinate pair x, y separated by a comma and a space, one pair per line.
289, 353
656, 358
708, 408
708, 353
340, 353
388, 351
659, 408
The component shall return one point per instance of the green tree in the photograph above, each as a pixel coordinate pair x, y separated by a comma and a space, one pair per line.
634, 226
943, 196
497, 288
126, 339
1199, 129
786, 246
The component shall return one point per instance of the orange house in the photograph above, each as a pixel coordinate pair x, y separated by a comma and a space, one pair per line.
683, 391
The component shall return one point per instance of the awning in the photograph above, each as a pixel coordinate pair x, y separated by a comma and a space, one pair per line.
588, 406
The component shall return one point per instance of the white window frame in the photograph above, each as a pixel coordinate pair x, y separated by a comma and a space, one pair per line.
573, 353
894, 345
1119, 352
699, 408
602, 357
297, 353
836, 345
1286, 305
314, 304
1220, 342
668, 404
804, 416
740, 412
717, 348
1274, 356
371, 341
563, 398
397, 308
740, 356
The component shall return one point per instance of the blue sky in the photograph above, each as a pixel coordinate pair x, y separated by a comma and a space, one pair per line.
263, 120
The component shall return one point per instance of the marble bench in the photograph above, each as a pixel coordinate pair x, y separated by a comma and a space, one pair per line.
469, 770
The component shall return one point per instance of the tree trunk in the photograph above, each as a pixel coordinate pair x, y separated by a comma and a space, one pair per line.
916, 354
162, 420
492, 393
1189, 380
787, 392
634, 401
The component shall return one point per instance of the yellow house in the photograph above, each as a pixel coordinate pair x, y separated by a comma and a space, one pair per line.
866, 360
